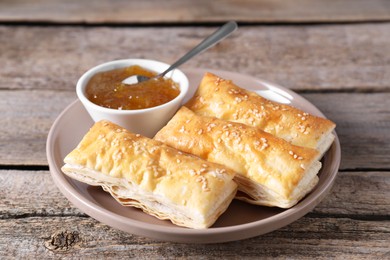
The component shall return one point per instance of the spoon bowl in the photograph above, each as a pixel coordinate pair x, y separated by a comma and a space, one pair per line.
210, 41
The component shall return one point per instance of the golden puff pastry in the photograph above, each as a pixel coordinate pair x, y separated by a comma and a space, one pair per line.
270, 170
217, 97
144, 173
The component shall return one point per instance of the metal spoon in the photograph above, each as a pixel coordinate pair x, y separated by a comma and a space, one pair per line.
210, 41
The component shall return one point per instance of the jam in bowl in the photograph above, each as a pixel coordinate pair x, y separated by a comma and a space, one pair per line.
142, 108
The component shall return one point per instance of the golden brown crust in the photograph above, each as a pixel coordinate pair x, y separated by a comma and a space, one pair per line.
254, 154
217, 97
166, 183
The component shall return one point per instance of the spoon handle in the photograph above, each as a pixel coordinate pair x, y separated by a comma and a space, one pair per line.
210, 41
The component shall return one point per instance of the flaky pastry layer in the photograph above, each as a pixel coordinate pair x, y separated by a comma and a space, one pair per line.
217, 97
270, 170
144, 173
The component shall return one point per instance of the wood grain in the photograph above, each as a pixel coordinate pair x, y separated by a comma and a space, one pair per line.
33, 193
304, 58
36, 220
187, 11
362, 125
319, 238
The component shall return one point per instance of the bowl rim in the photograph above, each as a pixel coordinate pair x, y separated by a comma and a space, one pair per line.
115, 64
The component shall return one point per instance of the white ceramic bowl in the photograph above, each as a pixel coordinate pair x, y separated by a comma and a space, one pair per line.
146, 121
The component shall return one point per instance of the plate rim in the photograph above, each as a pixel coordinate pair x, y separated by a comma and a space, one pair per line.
181, 234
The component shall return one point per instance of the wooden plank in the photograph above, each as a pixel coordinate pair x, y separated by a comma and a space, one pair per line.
344, 57
36, 220
362, 125
360, 195
26, 118
187, 11
75, 237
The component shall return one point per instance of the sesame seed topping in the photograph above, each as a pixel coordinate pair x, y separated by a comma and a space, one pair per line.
137, 135
199, 179
200, 131
302, 166
238, 99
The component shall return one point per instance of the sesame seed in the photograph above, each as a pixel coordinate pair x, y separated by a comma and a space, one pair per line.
291, 152
137, 135
199, 179
200, 131
238, 99
302, 166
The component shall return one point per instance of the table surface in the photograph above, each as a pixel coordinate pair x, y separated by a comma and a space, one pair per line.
337, 55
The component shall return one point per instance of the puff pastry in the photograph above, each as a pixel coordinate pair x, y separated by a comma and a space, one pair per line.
144, 173
270, 170
221, 98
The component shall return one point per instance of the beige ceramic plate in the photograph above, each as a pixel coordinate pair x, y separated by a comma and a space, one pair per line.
240, 221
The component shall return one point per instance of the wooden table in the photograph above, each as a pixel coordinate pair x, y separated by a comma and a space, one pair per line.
336, 54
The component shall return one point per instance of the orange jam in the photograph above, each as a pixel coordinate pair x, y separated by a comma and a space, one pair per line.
107, 90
